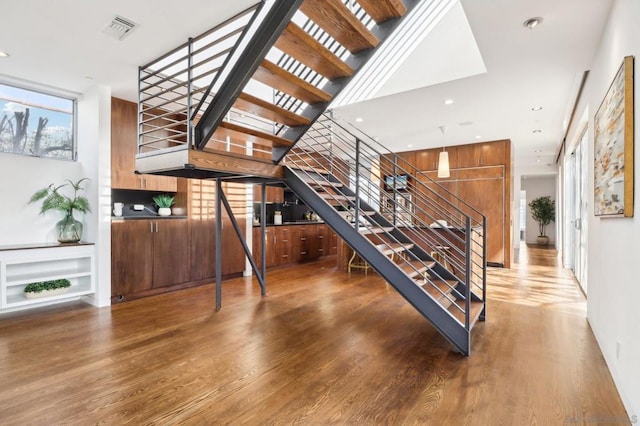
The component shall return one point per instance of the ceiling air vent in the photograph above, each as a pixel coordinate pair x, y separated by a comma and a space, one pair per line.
119, 27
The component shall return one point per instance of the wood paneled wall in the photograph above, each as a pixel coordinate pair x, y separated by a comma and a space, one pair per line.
481, 175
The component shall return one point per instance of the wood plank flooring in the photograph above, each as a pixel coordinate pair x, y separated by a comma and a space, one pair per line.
322, 348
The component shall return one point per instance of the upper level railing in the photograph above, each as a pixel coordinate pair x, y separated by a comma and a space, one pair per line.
423, 211
176, 87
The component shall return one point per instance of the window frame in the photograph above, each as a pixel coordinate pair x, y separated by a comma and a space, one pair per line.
57, 94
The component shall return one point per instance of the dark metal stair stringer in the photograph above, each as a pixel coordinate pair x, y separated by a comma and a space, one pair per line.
438, 316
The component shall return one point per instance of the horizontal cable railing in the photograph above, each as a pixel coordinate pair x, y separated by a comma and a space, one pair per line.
360, 163
174, 88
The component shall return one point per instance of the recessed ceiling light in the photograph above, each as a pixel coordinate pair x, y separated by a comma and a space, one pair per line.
537, 131
531, 23
359, 119
448, 101
3, 54
536, 108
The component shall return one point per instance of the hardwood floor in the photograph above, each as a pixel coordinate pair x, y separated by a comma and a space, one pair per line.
322, 348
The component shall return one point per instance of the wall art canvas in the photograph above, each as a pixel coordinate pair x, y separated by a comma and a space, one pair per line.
613, 151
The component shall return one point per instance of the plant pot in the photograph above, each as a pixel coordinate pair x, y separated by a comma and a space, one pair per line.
164, 211
542, 240
69, 230
46, 293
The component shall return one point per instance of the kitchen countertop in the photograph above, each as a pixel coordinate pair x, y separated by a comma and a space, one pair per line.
140, 217
297, 222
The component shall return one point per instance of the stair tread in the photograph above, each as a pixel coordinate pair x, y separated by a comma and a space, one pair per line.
282, 80
475, 307
365, 231
296, 43
323, 183
364, 212
390, 248
340, 23
432, 287
329, 196
253, 135
264, 109
415, 267
382, 10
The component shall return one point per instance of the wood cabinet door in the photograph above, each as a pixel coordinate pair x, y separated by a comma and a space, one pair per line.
233, 256
170, 252
308, 242
202, 256
124, 142
131, 258
284, 245
323, 240
124, 123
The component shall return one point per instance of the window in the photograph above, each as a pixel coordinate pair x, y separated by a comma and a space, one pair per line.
37, 124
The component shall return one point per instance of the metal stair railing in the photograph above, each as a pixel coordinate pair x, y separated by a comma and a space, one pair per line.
175, 87
329, 148
310, 170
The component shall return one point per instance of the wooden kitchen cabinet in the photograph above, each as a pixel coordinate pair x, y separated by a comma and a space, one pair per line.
273, 194
147, 255
284, 245
202, 234
170, 252
124, 141
131, 255
233, 255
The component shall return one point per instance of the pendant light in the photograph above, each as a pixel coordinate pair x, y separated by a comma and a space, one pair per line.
443, 159
443, 164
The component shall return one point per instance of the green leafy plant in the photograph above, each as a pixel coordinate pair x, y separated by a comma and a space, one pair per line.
543, 211
53, 199
163, 201
41, 286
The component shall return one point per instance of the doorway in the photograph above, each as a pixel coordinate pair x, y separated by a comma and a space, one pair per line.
576, 212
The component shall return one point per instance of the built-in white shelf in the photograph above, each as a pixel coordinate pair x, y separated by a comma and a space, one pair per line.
22, 265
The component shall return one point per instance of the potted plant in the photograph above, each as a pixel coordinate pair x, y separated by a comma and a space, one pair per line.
46, 288
164, 203
69, 229
543, 211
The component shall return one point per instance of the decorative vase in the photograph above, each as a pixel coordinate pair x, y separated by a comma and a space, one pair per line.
69, 230
164, 211
542, 240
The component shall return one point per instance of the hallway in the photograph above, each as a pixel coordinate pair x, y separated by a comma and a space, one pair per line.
323, 348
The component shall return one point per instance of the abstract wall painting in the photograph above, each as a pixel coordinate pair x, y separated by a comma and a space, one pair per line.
613, 151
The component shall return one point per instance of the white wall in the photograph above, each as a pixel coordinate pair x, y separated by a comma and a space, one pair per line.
21, 176
94, 157
539, 186
614, 244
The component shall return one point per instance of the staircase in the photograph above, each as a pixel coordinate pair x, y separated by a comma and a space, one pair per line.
340, 172
247, 100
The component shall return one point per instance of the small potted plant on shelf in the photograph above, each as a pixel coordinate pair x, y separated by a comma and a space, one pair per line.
543, 211
69, 229
46, 288
164, 203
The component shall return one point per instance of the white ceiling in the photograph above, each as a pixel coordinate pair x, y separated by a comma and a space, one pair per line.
59, 44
